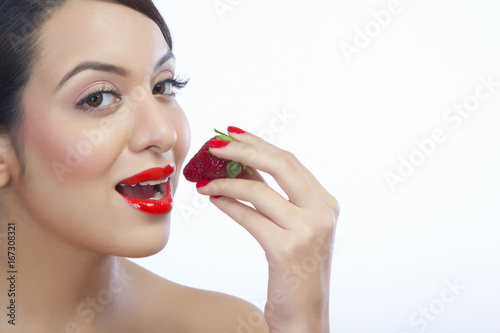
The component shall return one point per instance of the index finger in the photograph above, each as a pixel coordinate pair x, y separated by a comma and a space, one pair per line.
280, 164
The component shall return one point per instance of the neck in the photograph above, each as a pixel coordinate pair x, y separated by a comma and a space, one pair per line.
50, 276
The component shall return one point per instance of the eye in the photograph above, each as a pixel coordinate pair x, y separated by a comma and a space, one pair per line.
164, 88
99, 99
168, 87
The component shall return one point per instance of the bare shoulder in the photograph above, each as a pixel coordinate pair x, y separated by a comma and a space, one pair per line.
167, 306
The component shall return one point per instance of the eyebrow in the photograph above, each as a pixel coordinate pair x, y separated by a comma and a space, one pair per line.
103, 67
163, 60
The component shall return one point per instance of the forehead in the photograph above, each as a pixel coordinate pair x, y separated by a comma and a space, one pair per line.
93, 30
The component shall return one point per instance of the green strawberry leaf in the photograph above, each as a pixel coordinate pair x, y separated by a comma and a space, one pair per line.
219, 132
233, 169
223, 136
248, 170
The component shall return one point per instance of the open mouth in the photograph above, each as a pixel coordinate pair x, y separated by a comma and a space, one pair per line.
150, 190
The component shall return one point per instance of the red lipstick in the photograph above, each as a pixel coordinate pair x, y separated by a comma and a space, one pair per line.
149, 191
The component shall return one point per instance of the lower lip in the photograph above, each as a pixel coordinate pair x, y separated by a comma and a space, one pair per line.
153, 207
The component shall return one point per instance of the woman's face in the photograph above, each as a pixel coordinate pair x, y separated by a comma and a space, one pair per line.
99, 110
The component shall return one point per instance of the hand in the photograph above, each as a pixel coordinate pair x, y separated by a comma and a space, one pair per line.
296, 233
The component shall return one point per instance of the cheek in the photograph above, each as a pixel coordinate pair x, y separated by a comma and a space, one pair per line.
67, 150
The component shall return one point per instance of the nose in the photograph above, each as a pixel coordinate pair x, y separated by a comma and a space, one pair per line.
152, 128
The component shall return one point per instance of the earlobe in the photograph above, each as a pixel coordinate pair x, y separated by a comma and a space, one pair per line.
5, 151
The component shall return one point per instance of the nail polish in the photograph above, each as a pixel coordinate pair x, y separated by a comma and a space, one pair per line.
218, 143
215, 196
202, 183
236, 130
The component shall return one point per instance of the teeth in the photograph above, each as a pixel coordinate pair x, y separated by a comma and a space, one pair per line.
152, 182
157, 196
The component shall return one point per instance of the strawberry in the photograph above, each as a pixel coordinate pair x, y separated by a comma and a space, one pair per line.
206, 166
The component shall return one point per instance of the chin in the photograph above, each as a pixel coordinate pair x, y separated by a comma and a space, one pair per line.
141, 249
139, 243
143, 252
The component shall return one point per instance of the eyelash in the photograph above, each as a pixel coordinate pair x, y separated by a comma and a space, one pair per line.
178, 83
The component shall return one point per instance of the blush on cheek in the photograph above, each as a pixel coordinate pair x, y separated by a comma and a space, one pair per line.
92, 151
69, 149
44, 145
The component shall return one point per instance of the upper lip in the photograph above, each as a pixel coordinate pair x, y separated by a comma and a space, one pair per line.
153, 174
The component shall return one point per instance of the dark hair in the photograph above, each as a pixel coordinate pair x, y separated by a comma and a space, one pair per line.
20, 22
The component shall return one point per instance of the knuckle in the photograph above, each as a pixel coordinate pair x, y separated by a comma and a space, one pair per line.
244, 215
258, 141
309, 234
329, 207
256, 186
217, 186
327, 228
334, 205
248, 152
327, 218
288, 155
324, 219
286, 159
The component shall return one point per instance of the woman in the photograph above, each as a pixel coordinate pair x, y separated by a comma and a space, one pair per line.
88, 112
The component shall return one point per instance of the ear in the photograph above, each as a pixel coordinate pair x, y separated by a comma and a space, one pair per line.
5, 158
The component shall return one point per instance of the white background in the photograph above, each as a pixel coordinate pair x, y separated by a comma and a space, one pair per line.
354, 121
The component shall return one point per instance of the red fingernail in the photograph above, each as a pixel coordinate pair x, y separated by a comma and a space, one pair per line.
236, 130
218, 143
215, 196
202, 183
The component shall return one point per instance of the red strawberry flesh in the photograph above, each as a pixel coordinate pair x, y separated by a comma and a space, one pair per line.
205, 166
